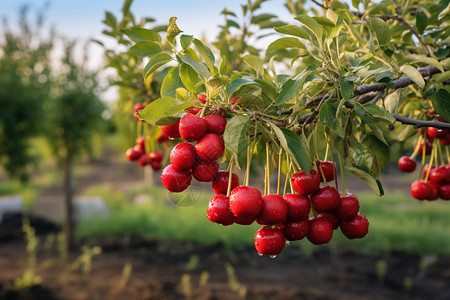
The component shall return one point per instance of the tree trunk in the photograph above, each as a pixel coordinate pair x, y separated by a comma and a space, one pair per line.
68, 208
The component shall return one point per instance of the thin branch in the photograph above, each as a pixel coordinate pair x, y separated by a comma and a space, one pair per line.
419, 123
319, 4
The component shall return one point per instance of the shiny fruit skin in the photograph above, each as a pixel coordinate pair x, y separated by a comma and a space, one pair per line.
136, 108
299, 206
201, 98
218, 210
156, 165
305, 184
216, 124
220, 183
274, 210
326, 199
192, 128
132, 154
143, 160
172, 130
349, 207
439, 175
356, 228
406, 164
269, 241
156, 156
297, 230
210, 147
328, 169
175, 180
245, 201
428, 148
420, 190
182, 156
320, 230
205, 171
444, 191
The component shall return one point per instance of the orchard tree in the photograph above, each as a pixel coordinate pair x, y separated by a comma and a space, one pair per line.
25, 83
352, 76
74, 119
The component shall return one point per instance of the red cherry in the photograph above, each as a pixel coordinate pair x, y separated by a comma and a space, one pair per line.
326, 199
156, 156
192, 127
156, 165
172, 130
295, 231
434, 191
435, 133
334, 220
205, 171
445, 140
444, 191
356, 228
320, 230
274, 210
216, 124
420, 190
439, 175
349, 207
428, 148
201, 98
298, 206
139, 149
406, 164
143, 160
137, 107
425, 170
245, 201
218, 210
210, 147
162, 138
140, 141
194, 110
328, 170
132, 154
220, 183
269, 241
175, 180
182, 156
234, 100
245, 220
305, 184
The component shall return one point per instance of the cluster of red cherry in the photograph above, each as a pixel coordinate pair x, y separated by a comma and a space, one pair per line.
199, 160
287, 217
435, 182
138, 153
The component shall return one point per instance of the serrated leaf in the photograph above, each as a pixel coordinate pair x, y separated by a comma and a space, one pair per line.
237, 84
186, 41
288, 91
200, 68
162, 111
371, 181
170, 83
206, 54
286, 42
294, 146
172, 30
189, 77
145, 49
381, 29
236, 137
293, 30
254, 62
138, 34
441, 103
312, 25
413, 74
155, 62
347, 87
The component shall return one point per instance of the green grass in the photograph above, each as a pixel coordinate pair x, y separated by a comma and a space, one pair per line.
397, 222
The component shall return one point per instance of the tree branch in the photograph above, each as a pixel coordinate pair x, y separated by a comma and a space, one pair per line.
419, 123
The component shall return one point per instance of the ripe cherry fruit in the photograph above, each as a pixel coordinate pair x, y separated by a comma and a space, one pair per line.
137, 107
328, 169
216, 124
192, 127
172, 130
205, 171
220, 183
156, 165
356, 228
439, 175
349, 207
320, 230
218, 210
156, 156
299, 206
201, 98
269, 241
444, 191
210, 147
182, 156
297, 230
326, 199
175, 180
132, 154
274, 210
245, 201
420, 190
406, 164
305, 184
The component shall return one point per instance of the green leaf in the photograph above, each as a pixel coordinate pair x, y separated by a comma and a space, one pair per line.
162, 111
254, 62
231, 23
327, 115
138, 34
414, 58
172, 30
200, 68
236, 137
237, 84
441, 103
421, 22
288, 91
145, 48
155, 62
206, 54
312, 25
286, 42
381, 30
380, 152
186, 41
413, 74
347, 87
371, 181
170, 83
189, 77
295, 147
261, 18
293, 30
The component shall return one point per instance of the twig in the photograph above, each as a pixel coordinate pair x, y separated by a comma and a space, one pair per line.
419, 123
319, 4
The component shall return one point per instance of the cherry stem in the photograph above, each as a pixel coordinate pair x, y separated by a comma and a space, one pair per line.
423, 153
279, 170
441, 155
290, 182
230, 176
334, 164
267, 170
430, 163
326, 152
417, 147
448, 154
287, 175
342, 174
138, 129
